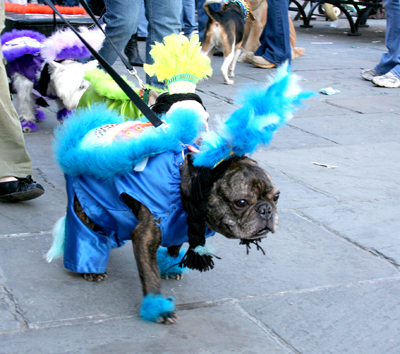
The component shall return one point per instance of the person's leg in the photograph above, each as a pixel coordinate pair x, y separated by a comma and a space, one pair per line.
143, 23
188, 17
390, 61
275, 38
164, 19
121, 19
14, 160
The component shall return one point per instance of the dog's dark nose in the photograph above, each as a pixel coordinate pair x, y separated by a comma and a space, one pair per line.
265, 210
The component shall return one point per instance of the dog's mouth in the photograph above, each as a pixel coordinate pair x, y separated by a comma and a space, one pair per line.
260, 233
257, 236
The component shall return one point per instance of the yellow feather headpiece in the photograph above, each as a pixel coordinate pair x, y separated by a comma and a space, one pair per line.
179, 63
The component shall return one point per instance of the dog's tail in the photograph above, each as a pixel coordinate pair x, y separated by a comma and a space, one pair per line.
212, 14
57, 247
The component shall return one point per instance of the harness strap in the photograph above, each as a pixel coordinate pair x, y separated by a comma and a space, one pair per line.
149, 114
259, 4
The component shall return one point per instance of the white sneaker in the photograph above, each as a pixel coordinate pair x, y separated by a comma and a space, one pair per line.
368, 74
388, 80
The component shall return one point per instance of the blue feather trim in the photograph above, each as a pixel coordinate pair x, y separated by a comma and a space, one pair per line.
119, 157
263, 111
169, 266
155, 305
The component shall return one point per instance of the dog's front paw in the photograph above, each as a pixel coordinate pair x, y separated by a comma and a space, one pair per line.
169, 266
229, 82
157, 308
96, 277
28, 126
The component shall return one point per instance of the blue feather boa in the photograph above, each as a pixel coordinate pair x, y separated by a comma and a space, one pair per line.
155, 306
263, 111
119, 157
169, 266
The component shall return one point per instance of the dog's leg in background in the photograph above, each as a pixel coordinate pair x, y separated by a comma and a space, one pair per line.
146, 239
25, 104
168, 262
228, 59
95, 277
231, 72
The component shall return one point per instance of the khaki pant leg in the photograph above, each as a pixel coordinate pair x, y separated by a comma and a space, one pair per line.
14, 159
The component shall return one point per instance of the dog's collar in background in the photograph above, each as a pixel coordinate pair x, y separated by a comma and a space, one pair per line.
259, 4
243, 5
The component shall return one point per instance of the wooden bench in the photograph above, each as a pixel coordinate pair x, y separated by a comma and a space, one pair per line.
363, 9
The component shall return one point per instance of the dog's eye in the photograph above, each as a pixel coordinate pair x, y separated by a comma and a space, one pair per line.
276, 197
242, 203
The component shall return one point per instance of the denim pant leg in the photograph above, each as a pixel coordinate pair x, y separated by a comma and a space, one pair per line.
202, 17
142, 26
390, 61
121, 19
275, 38
188, 16
164, 19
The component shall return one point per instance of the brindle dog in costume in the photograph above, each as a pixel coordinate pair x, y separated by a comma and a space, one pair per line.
150, 186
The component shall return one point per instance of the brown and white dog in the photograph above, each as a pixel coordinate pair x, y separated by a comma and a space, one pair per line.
224, 31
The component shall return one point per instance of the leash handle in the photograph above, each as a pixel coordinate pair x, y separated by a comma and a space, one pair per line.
149, 114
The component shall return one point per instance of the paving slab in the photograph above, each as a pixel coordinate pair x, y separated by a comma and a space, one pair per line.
232, 333
289, 263
372, 224
371, 104
359, 318
350, 129
363, 172
8, 322
33, 216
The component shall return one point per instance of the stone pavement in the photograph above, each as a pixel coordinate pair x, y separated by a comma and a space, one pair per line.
329, 282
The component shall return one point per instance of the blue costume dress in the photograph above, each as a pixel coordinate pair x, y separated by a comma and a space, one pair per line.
157, 187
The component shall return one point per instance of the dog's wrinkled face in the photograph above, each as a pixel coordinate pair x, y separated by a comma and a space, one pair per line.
242, 204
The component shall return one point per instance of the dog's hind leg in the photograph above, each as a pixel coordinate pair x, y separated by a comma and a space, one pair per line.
225, 66
231, 72
95, 277
25, 104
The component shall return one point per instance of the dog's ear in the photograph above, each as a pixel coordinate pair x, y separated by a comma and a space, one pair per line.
193, 170
153, 97
251, 16
54, 65
188, 173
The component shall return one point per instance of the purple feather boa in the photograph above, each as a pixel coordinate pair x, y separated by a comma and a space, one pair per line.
12, 54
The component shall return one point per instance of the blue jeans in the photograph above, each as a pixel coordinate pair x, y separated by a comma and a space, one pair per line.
122, 19
188, 16
390, 61
143, 23
275, 38
164, 19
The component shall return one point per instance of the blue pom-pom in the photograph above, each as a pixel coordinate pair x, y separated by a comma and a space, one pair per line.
168, 265
155, 305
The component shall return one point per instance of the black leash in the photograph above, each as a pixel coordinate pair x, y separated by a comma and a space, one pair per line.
149, 114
